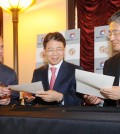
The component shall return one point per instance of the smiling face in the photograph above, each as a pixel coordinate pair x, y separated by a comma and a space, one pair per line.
115, 36
54, 52
1, 49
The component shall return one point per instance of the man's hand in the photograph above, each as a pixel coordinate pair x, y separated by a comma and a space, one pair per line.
50, 96
111, 93
4, 95
5, 101
4, 91
89, 99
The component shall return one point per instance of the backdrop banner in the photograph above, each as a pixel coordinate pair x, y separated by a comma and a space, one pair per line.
102, 47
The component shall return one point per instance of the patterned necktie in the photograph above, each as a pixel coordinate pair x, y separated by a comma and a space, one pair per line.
53, 77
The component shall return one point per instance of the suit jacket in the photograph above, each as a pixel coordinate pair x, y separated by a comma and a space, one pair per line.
8, 77
112, 68
65, 83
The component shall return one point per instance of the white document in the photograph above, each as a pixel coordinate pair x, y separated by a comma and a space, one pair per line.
34, 88
90, 83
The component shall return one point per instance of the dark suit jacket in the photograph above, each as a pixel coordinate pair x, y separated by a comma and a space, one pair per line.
65, 83
8, 77
112, 68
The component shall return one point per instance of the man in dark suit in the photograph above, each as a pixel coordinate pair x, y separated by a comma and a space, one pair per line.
7, 77
112, 68
112, 65
63, 91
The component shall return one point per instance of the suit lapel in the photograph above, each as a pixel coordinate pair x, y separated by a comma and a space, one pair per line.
45, 78
60, 76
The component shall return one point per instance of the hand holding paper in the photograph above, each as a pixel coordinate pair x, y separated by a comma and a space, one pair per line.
91, 83
34, 88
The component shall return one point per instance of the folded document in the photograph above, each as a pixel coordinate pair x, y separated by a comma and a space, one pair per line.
90, 83
34, 88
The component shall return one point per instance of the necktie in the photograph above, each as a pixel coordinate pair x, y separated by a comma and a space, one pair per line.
53, 77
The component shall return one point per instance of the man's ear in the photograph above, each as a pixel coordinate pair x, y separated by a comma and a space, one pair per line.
44, 52
64, 51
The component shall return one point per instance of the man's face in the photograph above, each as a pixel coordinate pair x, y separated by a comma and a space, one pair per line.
1, 50
114, 36
54, 52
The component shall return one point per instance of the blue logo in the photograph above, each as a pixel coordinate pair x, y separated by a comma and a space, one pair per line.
102, 64
72, 35
102, 32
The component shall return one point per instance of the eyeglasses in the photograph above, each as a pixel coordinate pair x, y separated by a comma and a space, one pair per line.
51, 51
116, 33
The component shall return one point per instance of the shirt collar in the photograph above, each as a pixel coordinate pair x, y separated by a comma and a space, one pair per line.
56, 66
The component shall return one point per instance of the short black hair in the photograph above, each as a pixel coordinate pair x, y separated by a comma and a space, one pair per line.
54, 36
115, 17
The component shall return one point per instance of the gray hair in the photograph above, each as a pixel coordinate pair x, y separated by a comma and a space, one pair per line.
115, 17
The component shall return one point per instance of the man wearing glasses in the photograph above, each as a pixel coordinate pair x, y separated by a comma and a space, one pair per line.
58, 76
111, 66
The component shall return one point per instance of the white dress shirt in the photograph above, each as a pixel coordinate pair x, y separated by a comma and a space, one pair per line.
56, 73
57, 70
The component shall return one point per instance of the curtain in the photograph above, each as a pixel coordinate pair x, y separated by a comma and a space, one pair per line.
92, 13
